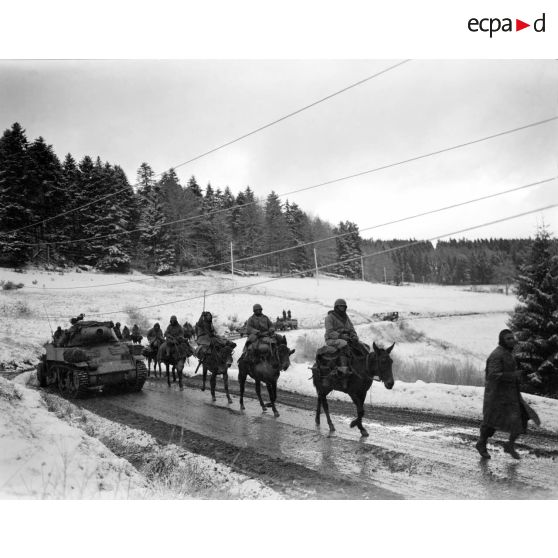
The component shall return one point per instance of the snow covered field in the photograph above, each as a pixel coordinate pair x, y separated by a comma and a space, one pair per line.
437, 325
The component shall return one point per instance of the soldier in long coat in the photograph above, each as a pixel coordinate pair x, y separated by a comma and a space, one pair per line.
174, 332
503, 407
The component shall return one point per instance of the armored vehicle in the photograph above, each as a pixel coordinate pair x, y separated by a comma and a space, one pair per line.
89, 356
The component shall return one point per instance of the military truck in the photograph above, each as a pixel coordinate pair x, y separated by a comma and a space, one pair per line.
90, 357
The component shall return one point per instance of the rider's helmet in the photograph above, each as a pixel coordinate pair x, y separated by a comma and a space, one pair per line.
257, 307
340, 302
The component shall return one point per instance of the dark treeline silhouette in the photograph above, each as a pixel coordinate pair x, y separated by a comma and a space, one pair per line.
452, 262
136, 227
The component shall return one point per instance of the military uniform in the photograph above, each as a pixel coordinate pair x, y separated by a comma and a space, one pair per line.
136, 334
174, 330
257, 326
503, 406
153, 334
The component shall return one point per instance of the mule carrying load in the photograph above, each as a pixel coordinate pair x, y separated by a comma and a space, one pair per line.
87, 357
346, 364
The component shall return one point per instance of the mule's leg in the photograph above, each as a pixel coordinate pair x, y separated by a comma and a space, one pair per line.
259, 394
359, 402
212, 383
180, 367
174, 372
318, 409
204, 376
241, 381
272, 390
168, 374
325, 405
226, 382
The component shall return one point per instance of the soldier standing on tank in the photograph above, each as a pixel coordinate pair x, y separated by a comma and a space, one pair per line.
57, 336
117, 330
289, 314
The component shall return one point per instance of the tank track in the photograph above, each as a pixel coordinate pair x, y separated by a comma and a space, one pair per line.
141, 376
79, 387
42, 373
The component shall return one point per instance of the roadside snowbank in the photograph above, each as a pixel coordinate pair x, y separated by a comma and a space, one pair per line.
43, 457
64, 454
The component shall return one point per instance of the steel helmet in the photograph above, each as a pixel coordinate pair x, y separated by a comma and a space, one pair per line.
173, 318
257, 307
340, 302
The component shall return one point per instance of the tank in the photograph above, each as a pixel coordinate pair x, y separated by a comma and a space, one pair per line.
90, 357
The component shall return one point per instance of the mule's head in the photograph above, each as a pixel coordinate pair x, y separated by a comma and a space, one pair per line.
284, 355
381, 363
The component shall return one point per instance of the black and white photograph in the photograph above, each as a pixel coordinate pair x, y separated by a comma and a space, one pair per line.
278, 279
283, 279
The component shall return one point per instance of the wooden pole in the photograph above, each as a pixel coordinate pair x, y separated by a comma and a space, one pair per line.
316, 264
385, 275
232, 262
362, 266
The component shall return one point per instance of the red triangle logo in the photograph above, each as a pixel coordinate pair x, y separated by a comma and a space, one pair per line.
519, 25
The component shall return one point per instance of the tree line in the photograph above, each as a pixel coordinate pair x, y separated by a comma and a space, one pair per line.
160, 226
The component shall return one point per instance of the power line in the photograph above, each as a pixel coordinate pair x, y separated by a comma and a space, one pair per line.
222, 146
333, 264
309, 243
306, 188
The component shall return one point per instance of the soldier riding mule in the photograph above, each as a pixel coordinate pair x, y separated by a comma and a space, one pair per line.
217, 358
364, 368
150, 353
174, 352
268, 357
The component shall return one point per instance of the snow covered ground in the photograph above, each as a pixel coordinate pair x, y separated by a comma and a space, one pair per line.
438, 325
45, 457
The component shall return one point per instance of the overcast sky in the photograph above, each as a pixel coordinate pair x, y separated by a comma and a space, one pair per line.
166, 112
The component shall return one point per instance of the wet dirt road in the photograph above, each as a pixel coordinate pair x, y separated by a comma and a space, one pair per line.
408, 455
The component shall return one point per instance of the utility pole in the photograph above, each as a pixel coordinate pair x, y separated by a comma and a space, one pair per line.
232, 262
385, 275
316, 264
362, 266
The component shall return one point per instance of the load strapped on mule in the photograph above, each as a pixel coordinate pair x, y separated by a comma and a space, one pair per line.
342, 344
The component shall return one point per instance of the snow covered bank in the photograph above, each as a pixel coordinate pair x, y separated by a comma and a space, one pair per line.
64, 454
43, 457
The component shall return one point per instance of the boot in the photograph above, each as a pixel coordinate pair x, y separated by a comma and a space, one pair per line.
509, 447
485, 433
481, 448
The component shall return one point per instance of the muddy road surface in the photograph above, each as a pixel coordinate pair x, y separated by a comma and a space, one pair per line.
407, 455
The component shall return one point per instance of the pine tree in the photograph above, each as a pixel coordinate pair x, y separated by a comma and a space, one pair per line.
535, 321
47, 197
298, 232
276, 236
348, 247
69, 224
15, 211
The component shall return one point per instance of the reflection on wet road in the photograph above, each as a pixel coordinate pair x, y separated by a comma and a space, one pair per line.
418, 460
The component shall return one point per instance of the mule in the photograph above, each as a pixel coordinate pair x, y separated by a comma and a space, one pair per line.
179, 352
217, 360
376, 364
265, 370
150, 353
